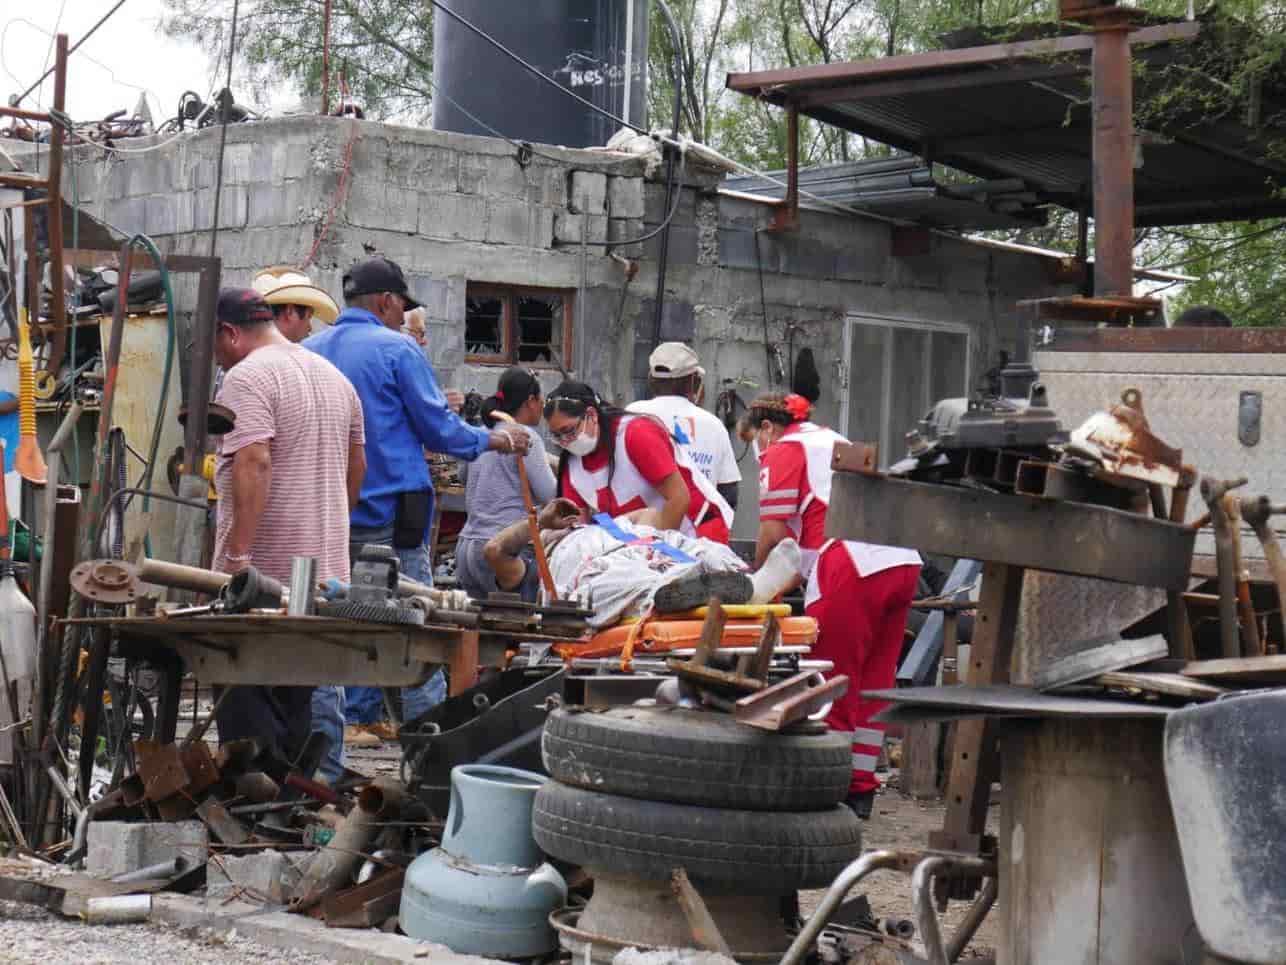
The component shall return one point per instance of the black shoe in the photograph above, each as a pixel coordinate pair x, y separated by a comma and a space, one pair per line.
862, 804
693, 591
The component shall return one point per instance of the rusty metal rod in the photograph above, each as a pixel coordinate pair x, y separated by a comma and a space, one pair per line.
1113, 155
1256, 511
1251, 644
922, 897
542, 560
58, 296
1213, 492
1177, 624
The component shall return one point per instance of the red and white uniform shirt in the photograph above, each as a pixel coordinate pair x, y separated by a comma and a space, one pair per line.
795, 488
645, 455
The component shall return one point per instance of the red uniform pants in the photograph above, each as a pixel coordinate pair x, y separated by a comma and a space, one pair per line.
860, 627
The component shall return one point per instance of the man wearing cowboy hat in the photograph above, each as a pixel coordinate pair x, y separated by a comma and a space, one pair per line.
295, 300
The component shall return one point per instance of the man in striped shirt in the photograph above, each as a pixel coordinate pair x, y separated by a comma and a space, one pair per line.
287, 476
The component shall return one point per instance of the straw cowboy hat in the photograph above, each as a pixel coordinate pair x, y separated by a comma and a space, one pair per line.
290, 286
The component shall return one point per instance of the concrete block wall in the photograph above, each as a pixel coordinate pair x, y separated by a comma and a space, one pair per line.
455, 209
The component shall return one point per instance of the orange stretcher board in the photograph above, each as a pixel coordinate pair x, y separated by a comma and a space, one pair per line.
664, 635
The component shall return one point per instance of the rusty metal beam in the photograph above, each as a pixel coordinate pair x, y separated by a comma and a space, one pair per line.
23, 181
776, 84
988, 76
58, 300
20, 114
1113, 110
786, 215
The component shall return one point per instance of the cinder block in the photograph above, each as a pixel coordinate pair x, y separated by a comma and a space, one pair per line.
117, 847
621, 229
588, 193
548, 185
160, 215
270, 875
237, 163
511, 222
625, 197
568, 228
461, 216
496, 177
424, 168
402, 209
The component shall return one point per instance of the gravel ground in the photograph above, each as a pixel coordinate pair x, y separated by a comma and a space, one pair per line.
32, 936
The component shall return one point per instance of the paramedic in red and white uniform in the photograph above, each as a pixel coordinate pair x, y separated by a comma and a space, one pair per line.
858, 593
615, 462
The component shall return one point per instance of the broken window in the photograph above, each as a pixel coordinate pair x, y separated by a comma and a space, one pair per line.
507, 325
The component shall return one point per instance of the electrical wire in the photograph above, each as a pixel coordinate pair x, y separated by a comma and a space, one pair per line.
71, 50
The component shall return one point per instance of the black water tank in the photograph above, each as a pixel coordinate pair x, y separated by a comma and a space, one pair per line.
597, 48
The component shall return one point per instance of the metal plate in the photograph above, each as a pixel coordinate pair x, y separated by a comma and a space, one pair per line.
1024, 531
105, 581
1009, 701
1268, 670
1097, 658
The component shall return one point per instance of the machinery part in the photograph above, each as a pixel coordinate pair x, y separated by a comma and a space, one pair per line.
251, 590
303, 586
695, 757
753, 852
105, 581
179, 577
373, 613
375, 575
219, 419
1223, 763
922, 898
509, 611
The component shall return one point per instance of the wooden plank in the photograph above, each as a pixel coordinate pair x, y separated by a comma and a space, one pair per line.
1268, 670
711, 633
921, 774
710, 677
1165, 684
973, 764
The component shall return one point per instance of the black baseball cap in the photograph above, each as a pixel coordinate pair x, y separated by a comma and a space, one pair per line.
376, 275
242, 306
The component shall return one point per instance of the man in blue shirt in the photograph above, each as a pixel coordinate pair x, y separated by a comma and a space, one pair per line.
405, 413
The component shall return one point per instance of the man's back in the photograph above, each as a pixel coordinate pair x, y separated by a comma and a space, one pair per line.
309, 414
700, 433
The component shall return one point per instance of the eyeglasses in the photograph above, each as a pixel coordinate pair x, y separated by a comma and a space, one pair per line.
567, 435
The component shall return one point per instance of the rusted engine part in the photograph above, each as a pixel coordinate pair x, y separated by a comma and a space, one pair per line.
923, 868
1256, 511
1213, 492
106, 581
1121, 440
508, 612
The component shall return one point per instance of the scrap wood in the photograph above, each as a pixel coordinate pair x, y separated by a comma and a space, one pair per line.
1163, 684
366, 905
1240, 671
710, 677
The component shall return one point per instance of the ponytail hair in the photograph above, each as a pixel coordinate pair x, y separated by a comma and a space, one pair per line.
779, 408
516, 386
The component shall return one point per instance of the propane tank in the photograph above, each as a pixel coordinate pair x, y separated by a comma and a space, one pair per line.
17, 631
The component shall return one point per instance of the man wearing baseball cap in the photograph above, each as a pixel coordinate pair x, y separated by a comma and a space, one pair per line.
298, 442
405, 414
295, 301
676, 380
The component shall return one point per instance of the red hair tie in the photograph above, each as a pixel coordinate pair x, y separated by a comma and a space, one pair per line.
797, 407
500, 396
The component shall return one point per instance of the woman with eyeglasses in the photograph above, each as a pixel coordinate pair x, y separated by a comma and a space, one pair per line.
493, 491
619, 463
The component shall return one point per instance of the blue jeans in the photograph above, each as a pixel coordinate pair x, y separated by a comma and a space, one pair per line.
328, 719
366, 704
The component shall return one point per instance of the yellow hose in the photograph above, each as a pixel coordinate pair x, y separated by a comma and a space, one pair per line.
30, 461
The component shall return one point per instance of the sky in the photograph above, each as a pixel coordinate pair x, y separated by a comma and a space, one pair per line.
126, 56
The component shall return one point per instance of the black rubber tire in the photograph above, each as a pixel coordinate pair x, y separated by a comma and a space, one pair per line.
754, 852
694, 757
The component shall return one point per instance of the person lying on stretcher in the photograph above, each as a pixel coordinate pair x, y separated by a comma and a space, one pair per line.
626, 566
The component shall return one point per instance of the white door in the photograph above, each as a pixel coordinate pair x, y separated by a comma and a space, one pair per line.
894, 370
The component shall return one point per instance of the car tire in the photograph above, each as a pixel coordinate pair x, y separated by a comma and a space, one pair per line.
754, 852
693, 757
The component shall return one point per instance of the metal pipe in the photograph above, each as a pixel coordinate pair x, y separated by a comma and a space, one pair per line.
974, 918
118, 910
46, 581
162, 869
1252, 646
840, 887
179, 577
65, 790
303, 586
1213, 492
922, 897
58, 296
80, 839
1113, 153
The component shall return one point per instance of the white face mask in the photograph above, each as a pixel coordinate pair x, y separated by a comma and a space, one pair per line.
582, 445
